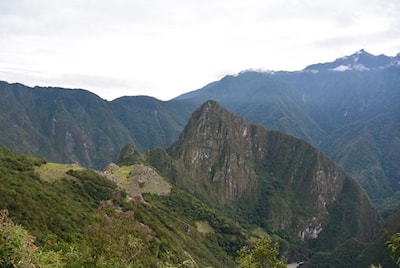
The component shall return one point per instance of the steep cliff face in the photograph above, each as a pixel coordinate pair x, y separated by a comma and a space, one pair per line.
277, 181
214, 155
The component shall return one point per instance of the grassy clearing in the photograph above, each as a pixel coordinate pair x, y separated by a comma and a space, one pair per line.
51, 172
204, 227
138, 179
123, 172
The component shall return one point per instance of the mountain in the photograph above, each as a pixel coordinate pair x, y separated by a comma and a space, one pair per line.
281, 182
67, 126
350, 113
359, 61
222, 185
358, 111
261, 99
50, 199
76, 126
151, 122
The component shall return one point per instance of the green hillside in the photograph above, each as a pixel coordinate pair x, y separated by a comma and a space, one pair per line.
62, 207
58, 204
151, 122
59, 125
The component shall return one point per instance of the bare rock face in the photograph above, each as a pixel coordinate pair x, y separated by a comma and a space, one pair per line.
288, 184
208, 151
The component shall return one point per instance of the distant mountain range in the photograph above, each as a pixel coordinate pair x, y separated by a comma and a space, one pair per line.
348, 108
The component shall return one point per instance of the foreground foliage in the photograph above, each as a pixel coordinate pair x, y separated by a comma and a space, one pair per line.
65, 223
264, 254
116, 237
394, 246
18, 249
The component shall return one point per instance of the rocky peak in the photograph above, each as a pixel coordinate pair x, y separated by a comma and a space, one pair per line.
215, 147
129, 155
283, 180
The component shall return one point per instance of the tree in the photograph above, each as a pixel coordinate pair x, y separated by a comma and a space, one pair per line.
17, 247
116, 237
394, 246
264, 254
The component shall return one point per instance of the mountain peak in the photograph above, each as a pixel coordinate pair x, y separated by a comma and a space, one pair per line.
361, 60
210, 105
129, 155
361, 51
214, 147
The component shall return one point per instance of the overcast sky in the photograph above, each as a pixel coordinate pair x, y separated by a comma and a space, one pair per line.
165, 48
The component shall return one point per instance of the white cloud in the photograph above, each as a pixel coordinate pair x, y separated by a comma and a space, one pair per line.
341, 68
360, 67
165, 48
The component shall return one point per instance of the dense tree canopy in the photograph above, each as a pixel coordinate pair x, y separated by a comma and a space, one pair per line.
264, 254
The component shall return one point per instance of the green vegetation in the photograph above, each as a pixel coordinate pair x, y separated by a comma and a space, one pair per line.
345, 255
225, 237
204, 227
59, 205
137, 179
279, 183
129, 156
117, 239
389, 206
394, 246
17, 247
263, 254
114, 239
64, 126
376, 252
63, 222
352, 116
151, 123
51, 172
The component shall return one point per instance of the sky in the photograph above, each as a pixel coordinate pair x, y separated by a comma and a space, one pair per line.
162, 49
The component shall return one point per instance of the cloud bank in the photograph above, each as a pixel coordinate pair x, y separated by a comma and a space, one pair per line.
165, 48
